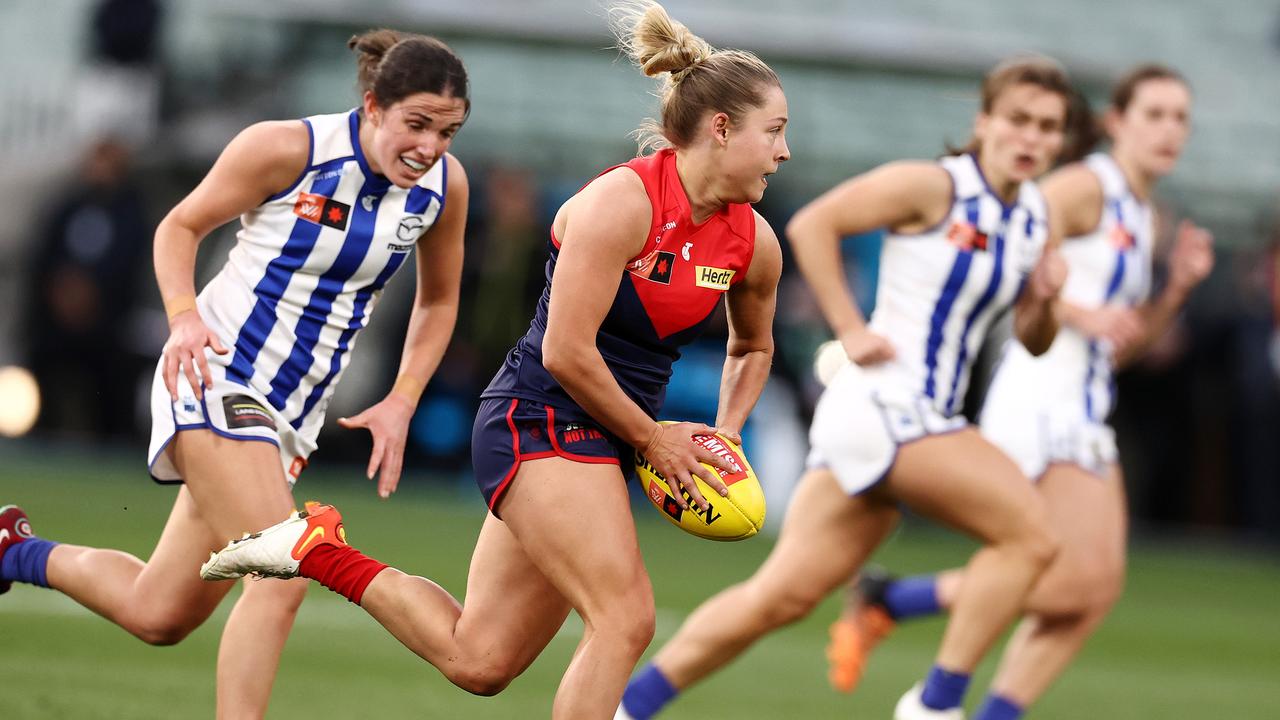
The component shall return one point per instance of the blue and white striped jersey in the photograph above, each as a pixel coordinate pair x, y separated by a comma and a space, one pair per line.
939, 290
309, 266
1110, 265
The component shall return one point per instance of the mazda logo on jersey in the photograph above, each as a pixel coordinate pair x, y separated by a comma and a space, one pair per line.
322, 210
410, 228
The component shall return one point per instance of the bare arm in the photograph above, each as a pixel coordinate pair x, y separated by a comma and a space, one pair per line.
435, 311
749, 354
259, 162
906, 196
600, 230
1190, 263
1074, 199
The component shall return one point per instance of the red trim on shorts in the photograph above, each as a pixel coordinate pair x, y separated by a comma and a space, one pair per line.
551, 433
515, 452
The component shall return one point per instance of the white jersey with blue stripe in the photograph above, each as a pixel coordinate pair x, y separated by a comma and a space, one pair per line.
939, 290
309, 266
1110, 265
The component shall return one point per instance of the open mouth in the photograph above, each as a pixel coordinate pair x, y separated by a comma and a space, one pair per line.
413, 165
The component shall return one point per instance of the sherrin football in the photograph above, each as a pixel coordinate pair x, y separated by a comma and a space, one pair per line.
738, 516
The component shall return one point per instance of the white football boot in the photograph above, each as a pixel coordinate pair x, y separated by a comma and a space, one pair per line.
278, 550
910, 707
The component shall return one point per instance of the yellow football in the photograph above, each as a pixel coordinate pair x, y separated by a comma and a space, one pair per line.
738, 516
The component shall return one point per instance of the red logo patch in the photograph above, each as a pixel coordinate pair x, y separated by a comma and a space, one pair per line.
966, 237
322, 210
1122, 239
297, 466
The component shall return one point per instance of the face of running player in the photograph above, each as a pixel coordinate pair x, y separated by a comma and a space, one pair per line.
403, 141
1152, 130
755, 146
1022, 134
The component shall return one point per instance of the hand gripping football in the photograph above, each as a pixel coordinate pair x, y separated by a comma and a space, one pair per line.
738, 516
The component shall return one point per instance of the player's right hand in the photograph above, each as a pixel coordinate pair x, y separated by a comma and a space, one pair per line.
1121, 327
675, 455
866, 348
184, 352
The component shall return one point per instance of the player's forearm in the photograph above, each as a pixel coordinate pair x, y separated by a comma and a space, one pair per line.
583, 374
1157, 316
745, 374
175, 262
1036, 325
817, 252
430, 328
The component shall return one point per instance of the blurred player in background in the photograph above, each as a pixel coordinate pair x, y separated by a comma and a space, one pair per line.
967, 241
330, 207
639, 260
1049, 413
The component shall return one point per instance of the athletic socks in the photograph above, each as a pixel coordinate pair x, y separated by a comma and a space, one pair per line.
27, 561
342, 569
647, 693
996, 707
912, 597
943, 689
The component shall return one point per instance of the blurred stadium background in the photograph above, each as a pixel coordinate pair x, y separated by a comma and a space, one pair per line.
111, 110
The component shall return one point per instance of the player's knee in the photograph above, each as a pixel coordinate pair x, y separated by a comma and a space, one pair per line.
163, 631
1037, 541
486, 679
1106, 584
791, 605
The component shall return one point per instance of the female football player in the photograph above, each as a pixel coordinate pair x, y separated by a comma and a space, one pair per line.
967, 241
330, 207
578, 394
1049, 412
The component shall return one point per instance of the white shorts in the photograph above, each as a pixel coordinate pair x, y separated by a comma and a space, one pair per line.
228, 409
860, 423
1037, 435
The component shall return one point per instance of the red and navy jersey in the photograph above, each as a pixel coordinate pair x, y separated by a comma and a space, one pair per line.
665, 300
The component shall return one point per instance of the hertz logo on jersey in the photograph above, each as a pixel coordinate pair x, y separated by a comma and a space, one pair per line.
322, 210
712, 277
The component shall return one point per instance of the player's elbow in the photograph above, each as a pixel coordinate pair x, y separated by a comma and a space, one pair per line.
560, 359
801, 225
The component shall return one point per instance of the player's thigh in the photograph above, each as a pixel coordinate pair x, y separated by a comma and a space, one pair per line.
826, 536
512, 610
1088, 513
961, 480
169, 590
574, 521
238, 485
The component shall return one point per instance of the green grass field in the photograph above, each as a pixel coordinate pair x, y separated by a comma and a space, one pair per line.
1196, 635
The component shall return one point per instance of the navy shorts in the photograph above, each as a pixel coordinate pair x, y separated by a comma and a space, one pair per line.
509, 431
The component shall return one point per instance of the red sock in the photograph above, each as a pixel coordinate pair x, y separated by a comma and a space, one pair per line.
344, 570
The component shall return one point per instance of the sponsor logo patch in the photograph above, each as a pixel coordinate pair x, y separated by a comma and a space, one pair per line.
1122, 239
297, 466
966, 237
410, 228
656, 266
574, 432
243, 411
712, 277
322, 210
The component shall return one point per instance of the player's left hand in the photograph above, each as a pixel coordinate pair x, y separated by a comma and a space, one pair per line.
1046, 279
1191, 259
388, 423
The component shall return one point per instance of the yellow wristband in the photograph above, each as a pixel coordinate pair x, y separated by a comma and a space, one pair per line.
408, 388
176, 306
